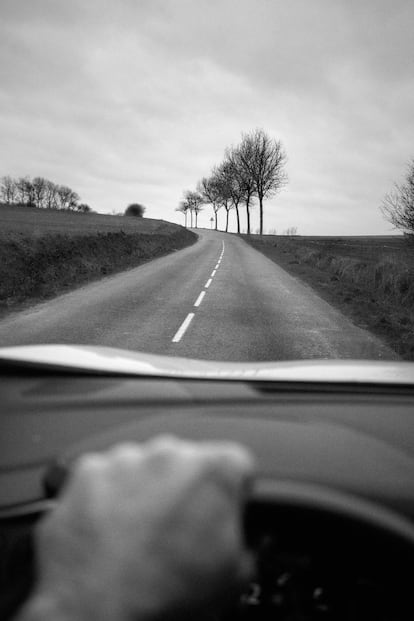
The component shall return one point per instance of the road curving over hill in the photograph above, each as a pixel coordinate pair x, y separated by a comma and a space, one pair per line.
217, 299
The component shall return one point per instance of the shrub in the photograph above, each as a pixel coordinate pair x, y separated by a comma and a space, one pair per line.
136, 210
83, 208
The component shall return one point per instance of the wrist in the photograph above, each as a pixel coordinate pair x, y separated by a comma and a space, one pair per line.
49, 607
42, 607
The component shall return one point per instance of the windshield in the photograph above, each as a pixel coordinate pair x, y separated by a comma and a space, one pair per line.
229, 181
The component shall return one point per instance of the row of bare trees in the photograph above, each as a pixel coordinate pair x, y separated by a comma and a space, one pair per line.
192, 204
254, 169
41, 193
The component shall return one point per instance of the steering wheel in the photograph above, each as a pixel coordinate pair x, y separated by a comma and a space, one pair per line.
300, 583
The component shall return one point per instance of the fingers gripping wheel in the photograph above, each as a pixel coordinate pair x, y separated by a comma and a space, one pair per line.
290, 496
319, 553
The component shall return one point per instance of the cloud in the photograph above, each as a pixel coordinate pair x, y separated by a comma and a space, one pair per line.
136, 101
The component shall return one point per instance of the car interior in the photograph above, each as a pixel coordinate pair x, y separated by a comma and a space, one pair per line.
329, 516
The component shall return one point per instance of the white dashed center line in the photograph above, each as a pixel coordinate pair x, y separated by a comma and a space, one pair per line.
182, 329
200, 298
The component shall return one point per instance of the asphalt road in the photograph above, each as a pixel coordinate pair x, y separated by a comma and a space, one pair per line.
219, 299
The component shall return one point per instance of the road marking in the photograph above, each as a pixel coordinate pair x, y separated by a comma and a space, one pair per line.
181, 331
200, 298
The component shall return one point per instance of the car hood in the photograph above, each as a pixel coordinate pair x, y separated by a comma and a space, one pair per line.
105, 360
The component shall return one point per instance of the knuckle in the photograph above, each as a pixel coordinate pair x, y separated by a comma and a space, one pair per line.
87, 468
165, 448
126, 452
167, 453
233, 460
165, 443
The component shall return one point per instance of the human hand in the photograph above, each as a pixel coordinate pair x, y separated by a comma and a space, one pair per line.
145, 531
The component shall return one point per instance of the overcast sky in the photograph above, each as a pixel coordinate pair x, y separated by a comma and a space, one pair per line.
133, 101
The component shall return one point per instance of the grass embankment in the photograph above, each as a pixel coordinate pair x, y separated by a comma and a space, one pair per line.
44, 253
370, 279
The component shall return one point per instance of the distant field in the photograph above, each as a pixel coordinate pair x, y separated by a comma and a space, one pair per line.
369, 249
369, 278
46, 252
26, 220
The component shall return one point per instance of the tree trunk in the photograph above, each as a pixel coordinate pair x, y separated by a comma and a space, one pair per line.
261, 214
215, 216
227, 220
185, 219
238, 219
196, 216
248, 214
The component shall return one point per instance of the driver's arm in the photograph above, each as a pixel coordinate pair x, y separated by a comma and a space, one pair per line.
143, 531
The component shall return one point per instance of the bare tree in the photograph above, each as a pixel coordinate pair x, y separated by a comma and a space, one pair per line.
263, 159
398, 205
184, 207
209, 190
24, 191
51, 195
243, 177
234, 188
8, 190
291, 231
39, 191
194, 201
222, 180
197, 209
188, 206
68, 199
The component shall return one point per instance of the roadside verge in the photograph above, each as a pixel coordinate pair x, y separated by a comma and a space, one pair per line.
34, 267
367, 279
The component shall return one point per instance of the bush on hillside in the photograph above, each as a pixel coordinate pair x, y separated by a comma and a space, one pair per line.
136, 210
83, 208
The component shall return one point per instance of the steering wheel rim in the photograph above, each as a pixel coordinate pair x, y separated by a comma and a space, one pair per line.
303, 496
297, 496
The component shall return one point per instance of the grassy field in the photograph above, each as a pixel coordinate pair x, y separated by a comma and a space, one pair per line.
46, 252
20, 221
371, 279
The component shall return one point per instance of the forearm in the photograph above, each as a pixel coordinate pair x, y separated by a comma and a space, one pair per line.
42, 608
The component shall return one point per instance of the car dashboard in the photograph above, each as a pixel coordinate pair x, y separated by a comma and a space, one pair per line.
330, 518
